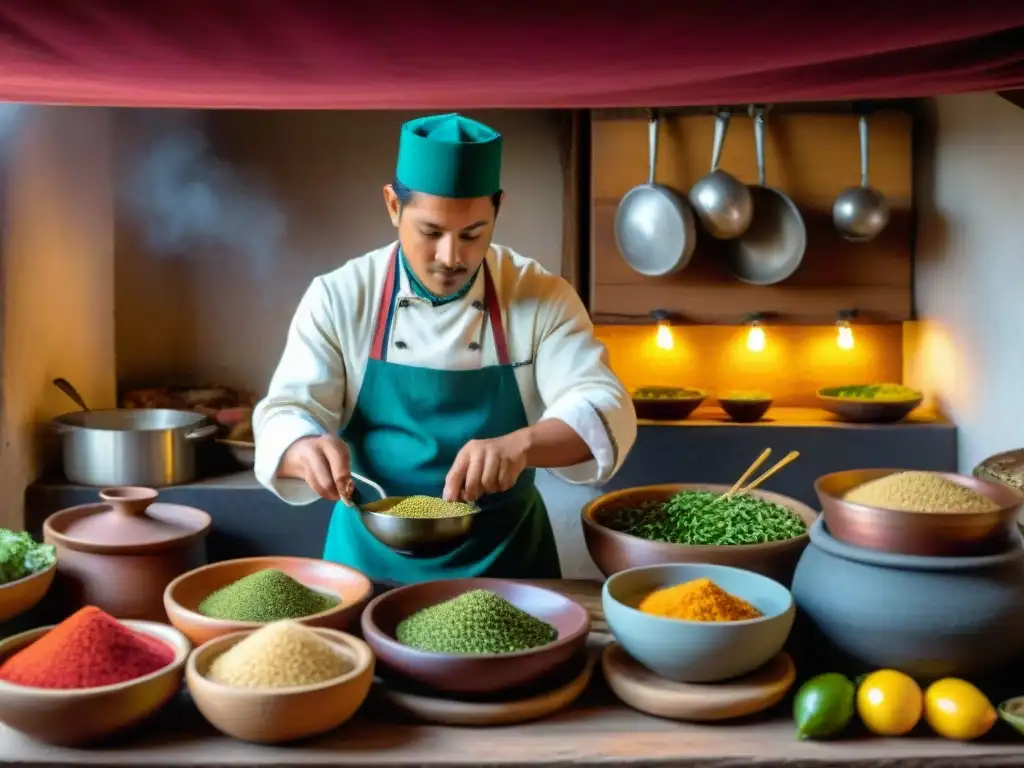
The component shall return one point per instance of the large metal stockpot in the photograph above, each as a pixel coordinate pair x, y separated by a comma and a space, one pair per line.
152, 447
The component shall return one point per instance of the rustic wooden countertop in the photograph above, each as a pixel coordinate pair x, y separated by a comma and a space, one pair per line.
596, 731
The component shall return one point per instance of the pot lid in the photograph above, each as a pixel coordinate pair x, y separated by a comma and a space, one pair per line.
129, 517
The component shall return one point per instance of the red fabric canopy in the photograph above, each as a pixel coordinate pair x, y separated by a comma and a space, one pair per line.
348, 54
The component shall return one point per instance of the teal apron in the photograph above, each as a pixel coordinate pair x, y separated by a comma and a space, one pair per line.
408, 425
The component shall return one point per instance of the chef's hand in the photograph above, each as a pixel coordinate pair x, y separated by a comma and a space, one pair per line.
486, 466
323, 462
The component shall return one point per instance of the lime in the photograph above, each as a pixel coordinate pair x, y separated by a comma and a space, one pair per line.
823, 706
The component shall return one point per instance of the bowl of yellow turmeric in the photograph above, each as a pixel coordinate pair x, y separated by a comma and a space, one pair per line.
697, 622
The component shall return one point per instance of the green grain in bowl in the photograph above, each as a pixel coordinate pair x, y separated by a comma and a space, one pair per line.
267, 595
479, 621
667, 393
751, 396
429, 507
698, 518
875, 393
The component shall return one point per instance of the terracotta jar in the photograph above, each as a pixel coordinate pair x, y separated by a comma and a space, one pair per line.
120, 554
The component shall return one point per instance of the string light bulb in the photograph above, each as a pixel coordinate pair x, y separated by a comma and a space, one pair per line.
844, 331
755, 336
663, 336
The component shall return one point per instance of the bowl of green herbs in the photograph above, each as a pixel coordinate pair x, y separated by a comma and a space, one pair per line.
759, 531
27, 569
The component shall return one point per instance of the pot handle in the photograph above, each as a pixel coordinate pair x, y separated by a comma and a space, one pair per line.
202, 433
130, 500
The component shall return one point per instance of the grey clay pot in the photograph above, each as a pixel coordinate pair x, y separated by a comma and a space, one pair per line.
930, 617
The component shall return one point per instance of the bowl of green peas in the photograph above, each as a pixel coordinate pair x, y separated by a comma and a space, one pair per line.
759, 530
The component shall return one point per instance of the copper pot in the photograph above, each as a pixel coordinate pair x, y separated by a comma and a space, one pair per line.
121, 553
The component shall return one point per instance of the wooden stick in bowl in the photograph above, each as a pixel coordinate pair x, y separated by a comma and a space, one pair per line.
787, 459
750, 470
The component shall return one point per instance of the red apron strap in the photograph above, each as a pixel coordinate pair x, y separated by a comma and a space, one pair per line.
380, 332
494, 313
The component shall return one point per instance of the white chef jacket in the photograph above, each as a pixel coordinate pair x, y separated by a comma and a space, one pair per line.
561, 368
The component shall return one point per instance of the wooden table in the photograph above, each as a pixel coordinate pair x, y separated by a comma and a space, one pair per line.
597, 731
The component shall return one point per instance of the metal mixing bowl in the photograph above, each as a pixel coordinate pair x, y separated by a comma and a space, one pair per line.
415, 536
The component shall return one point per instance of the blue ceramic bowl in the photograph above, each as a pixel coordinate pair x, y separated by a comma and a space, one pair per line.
698, 651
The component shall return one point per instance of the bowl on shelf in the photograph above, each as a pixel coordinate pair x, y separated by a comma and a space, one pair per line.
613, 551
17, 597
275, 716
870, 403
667, 403
183, 595
929, 617
917, 533
74, 717
415, 536
698, 651
475, 673
745, 407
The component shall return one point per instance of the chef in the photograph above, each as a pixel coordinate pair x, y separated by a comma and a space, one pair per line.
445, 365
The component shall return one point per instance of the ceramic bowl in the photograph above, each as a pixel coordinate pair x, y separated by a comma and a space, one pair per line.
274, 716
698, 651
183, 595
415, 536
745, 411
17, 597
918, 533
482, 672
866, 411
929, 617
73, 717
668, 408
613, 551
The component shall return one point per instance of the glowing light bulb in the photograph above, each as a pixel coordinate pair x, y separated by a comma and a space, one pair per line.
844, 335
663, 336
755, 338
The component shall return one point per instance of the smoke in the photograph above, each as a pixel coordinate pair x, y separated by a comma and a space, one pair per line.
184, 199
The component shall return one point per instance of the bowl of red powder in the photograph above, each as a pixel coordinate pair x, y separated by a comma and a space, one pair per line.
88, 677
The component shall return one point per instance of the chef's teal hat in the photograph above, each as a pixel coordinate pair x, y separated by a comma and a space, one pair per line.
449, 156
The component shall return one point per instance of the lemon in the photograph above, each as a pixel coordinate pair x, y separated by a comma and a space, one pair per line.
889, 703
957, 710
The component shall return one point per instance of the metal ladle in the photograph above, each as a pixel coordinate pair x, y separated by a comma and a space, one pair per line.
861, 213
721, 201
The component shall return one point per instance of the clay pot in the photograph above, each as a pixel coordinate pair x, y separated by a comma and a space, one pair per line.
930, 617
120, 554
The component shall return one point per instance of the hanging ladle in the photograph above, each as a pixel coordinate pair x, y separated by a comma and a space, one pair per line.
861, 213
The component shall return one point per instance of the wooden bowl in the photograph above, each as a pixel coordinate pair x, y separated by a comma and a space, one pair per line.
275, 716
22, 595
667, 408
183, 595
864, 411
613, 551
73, 717
948, 534
475, 673
745, 411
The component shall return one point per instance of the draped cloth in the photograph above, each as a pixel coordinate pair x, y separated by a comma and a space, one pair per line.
345, 54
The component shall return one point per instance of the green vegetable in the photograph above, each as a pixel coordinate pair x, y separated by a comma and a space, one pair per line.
697, 518
474, 622
823, 706
21, 556
268, 595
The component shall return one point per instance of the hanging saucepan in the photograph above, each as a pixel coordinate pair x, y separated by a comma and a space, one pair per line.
861, 213
773, 246
151, 447
654, 226
721, 201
